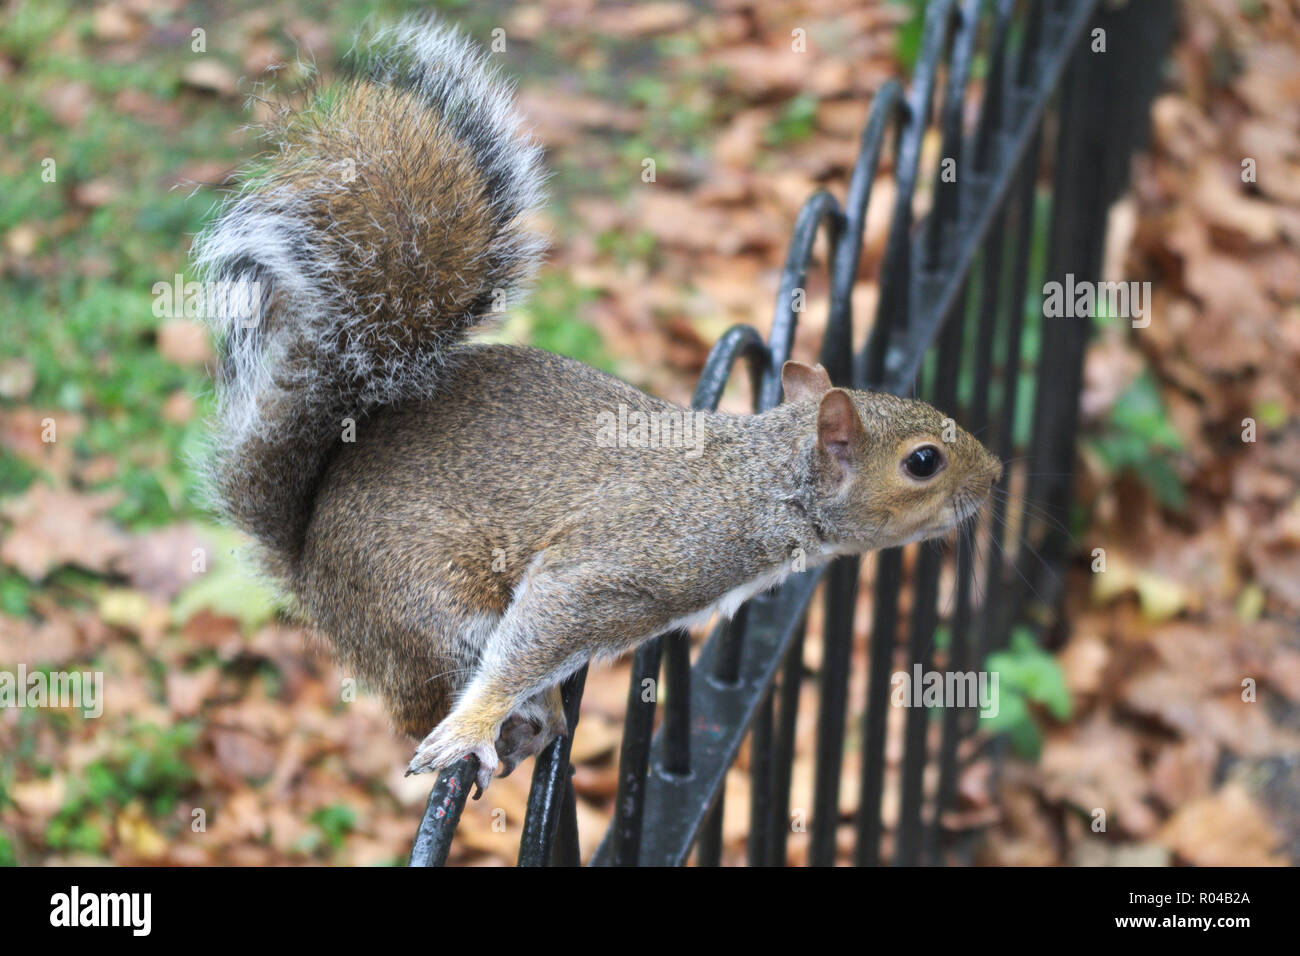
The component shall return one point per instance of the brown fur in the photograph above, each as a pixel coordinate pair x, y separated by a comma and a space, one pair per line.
479, 540
401, 546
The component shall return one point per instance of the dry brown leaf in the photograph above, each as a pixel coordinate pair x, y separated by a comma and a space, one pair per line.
644, 19
211, 75
1083, 661
160, 562
597, 736
1184, 771
115, 23
17, 376
54, 527
241, 754
137, 836
1227, 828
1096, 766
39, 799
26, 432
187, 690
1226, 207
184, 341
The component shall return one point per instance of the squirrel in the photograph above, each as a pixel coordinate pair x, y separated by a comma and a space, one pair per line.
460, 518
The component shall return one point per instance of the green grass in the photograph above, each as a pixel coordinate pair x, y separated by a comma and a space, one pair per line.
79, 310
795, 123
333, 824
147, 765
552, 320
82, 316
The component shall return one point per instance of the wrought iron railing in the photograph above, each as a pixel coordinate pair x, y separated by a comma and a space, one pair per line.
955, 310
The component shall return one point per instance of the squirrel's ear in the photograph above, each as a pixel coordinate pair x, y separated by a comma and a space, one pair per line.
800, 381
838, 426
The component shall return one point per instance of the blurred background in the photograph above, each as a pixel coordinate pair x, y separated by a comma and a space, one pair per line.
229, 737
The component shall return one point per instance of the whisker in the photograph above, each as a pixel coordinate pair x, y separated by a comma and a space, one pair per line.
1016, 565
1034, 510
454, 670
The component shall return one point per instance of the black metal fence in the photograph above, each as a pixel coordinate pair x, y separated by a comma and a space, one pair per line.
1060, 108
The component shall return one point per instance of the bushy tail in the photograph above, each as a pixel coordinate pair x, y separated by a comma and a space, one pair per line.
386, 223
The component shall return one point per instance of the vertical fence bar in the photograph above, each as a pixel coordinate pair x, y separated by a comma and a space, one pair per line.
964, 23
566, 851
993, 113
841, 587
634, 753
726, 672
1104, 102
837, 648
978, 420
884, 633
992, 630
550, 777
677, 713
783, 756
728, 664
958, 662
945, 218
925, 590
893, 309
963, 27
892, 314
760, 783
1027, 64
1078, 231
708, 849
925, 593
820, 208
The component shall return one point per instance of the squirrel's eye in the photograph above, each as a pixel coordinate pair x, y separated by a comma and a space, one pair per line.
924, 462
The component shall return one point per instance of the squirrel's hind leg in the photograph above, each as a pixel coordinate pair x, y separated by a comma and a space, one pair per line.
530, 728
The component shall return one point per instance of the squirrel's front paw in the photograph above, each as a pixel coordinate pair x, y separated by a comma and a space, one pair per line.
444, 746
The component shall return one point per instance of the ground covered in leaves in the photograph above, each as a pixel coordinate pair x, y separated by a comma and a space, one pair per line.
229, 737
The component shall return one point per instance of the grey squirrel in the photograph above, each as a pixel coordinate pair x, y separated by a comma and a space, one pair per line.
478, 542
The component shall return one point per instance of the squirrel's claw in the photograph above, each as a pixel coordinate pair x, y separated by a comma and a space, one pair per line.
442, 748
524, 733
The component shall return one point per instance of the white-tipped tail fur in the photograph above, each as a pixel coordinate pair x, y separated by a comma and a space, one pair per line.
387, 221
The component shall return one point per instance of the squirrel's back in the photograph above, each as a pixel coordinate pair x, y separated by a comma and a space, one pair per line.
387, 220
425, 526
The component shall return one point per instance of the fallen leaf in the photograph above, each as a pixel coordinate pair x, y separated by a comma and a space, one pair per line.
242, 754
1227, 828
39, 799
137, 835
210, 75
17, 376
185, 342
54, 527
596, 737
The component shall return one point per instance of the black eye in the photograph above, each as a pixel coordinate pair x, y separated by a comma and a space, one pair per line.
924, 462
